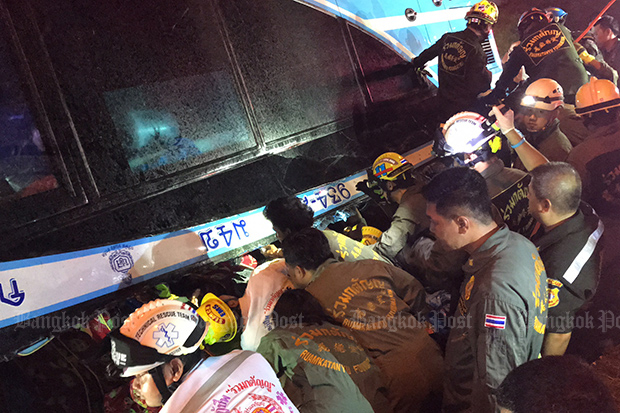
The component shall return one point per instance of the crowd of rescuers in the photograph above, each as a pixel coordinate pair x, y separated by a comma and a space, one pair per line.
481, 272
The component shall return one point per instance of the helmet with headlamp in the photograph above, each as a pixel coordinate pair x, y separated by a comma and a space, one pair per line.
468, 133
544, 94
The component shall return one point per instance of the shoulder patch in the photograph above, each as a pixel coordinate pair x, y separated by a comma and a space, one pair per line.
495, 321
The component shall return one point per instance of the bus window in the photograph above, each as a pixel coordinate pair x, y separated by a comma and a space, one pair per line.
295, 63
376, 59
25, 167
148, 84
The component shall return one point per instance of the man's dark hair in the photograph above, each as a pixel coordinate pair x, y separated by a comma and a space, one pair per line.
460, 191
307, 249
301, 305
558, 182
608, 22
554, 384
289, 213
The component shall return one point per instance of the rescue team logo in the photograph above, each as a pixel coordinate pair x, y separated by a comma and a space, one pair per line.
467, 292
263, 404
454, 55
513, 205
544, 42
540, 299
495, 321
469, 287
553, 291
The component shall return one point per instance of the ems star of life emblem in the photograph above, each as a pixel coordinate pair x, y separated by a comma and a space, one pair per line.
165, 335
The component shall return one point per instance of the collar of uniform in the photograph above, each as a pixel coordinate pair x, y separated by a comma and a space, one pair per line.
322, 268
570, 226
469, 34
606, 130
491, 247
493, 169
615, 48
537, 137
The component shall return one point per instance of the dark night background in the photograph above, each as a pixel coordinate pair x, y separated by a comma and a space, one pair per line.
580, 14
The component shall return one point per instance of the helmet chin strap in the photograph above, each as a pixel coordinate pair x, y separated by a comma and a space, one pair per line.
157, 374
481, 156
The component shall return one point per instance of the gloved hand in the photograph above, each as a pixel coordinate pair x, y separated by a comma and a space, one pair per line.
586, 57
420, 68
371, 188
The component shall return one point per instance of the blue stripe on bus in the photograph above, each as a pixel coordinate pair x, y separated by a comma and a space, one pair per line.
92, 295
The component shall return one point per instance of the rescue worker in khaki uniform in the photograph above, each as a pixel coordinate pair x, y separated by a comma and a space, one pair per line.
397, 181
568, 243
538, 120
546, 51
317, 360
597, 159
269, 281
502, 312
376, 301
463, 74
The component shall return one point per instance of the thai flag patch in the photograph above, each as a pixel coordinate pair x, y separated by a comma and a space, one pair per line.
495, 321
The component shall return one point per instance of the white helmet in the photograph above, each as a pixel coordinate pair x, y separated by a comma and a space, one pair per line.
466, 132
170, 327
544, 94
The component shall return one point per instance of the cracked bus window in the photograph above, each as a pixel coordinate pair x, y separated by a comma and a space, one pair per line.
24, 163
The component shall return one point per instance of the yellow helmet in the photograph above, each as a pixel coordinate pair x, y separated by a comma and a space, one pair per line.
596, 95
221, 319
544, 94
484, 10
390, 166
370, 235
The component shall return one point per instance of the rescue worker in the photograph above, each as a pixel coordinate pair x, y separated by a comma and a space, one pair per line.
568, 243
546, 51
399, 184
376, 301
555, 384
605, 32
268, 281
158, 344
463, 74
289, 214
501, 315
570, 123
321, 365
559, 16
473, 142
539, 122
597, 159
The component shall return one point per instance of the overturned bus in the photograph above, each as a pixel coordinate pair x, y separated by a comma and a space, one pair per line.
141, 138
